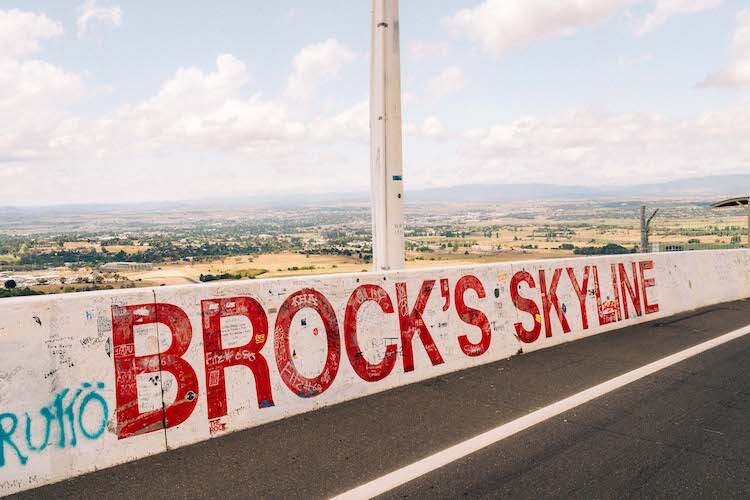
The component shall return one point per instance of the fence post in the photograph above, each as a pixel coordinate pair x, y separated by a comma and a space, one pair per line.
646, 227
644, 231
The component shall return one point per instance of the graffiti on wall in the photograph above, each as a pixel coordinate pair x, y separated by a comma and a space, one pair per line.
184, 364
540, 313
74, 414
625, 289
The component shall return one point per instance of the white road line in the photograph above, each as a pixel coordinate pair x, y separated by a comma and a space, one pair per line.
445, 457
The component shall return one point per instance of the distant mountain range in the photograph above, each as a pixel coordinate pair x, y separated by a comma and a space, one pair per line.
717, 186
711, 188
698, 188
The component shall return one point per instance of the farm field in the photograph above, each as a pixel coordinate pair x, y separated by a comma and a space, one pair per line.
261, 244
282, 265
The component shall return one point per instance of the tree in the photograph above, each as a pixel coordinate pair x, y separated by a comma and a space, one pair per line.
10, 284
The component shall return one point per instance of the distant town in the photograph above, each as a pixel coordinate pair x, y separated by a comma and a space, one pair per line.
72, 250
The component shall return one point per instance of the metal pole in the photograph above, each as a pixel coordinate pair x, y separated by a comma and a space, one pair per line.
644, 231
645, 228
386, 161
748, 225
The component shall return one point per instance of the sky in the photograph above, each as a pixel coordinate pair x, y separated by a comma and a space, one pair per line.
114, 101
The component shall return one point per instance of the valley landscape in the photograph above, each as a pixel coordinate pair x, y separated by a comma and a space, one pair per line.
71, 249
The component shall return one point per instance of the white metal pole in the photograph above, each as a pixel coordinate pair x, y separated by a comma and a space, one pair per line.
386, 161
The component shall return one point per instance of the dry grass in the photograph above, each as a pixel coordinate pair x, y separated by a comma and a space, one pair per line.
599, 233
52, 289
278, 265
443, 260
81, 245
128, 249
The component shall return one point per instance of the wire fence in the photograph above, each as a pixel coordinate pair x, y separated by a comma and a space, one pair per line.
552, 230
698, 228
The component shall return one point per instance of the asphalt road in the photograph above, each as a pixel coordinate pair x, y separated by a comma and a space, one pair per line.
682, 432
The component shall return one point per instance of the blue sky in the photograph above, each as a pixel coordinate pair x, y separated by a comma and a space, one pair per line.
106, 101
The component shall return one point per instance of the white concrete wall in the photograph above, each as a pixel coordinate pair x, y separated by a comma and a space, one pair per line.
50, 345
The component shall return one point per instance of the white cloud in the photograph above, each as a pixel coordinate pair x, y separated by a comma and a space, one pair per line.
195, 109
208, 132
431, 128
449, 81
11, 171
501, 25
593, 148
636, 61
737, 73
22, 32
315, 64
214, 112
90, 14
421, 49
191, 88
664, 10
203, 133
31, 84
34, 95
352, 124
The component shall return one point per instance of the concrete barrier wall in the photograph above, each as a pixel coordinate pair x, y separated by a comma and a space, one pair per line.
93, 380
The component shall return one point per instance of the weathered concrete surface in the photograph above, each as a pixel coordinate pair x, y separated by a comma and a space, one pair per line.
681, 432
94, 380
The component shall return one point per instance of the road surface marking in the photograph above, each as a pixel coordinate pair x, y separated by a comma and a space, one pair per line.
433, 462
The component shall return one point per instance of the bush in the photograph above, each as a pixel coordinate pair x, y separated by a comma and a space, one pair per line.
251, 273
18, 292
226, 276
610, 249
